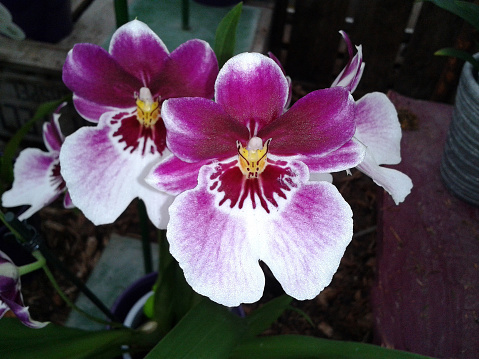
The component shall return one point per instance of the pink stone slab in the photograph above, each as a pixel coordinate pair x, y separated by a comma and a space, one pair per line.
426, 299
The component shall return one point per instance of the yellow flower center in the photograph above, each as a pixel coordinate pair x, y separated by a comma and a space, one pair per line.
147, 109
252, 159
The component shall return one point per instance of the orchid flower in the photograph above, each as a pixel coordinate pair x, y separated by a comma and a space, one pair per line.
10, 294
104, 166
252, 199
37, 180
378, 128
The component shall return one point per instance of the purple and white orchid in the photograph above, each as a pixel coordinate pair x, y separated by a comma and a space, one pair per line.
378, 128
253, 199
123, 89
37, 179
10, 294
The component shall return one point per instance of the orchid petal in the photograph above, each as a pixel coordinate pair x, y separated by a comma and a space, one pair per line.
252, 88
304, 245
102, 178
212, 247
67, 201
396, 183
52, 134
219, 249
92, 74
10, 295
139, 51
377, 126
288, 78
190, 71
347, 156
174, 176
34, 184
351, 75
318, 123
190, 139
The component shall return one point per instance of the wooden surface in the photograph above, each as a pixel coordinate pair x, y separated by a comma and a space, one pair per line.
426, 299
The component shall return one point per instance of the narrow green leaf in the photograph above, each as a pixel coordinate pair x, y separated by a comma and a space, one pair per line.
225, 38
6, 161
173, 296
465, 10
303, 347
52, 342
262, 318
463, 55
208, 331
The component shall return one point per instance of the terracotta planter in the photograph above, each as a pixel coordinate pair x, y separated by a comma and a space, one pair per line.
460, 161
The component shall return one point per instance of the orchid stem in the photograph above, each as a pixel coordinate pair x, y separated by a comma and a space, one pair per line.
121, 12
31, 267
33, 242
145, 238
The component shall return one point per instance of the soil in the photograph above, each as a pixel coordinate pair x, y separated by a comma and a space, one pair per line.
341, 311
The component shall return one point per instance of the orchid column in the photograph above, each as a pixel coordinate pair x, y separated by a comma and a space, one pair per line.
122, 91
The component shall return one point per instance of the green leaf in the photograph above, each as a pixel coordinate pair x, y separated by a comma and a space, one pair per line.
463, 55
209, 331
303, 347
262, 318
173, 296
51, 342
6, 161
225, 38
465, 10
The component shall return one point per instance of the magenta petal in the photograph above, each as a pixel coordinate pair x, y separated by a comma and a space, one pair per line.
318, 123
139, 51
91, 73
351, 75
252, 88
305, 243
190, 71
90, 110
34, 184
347, 156
198, 129
52, 134
174, 176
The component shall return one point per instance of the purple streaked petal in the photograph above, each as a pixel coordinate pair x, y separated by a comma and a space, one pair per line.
198, 129
52, 134
290, 82
103, 178
190, 71
67, 201
304, 244
213, 247
92, 74
139, 51
174, 176
90, 110
347, 156
252, 88
377, 126
19, 309
34, 182
396, 183
351, 75
318, 123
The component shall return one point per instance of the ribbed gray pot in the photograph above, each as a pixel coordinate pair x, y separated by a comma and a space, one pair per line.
460, 160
